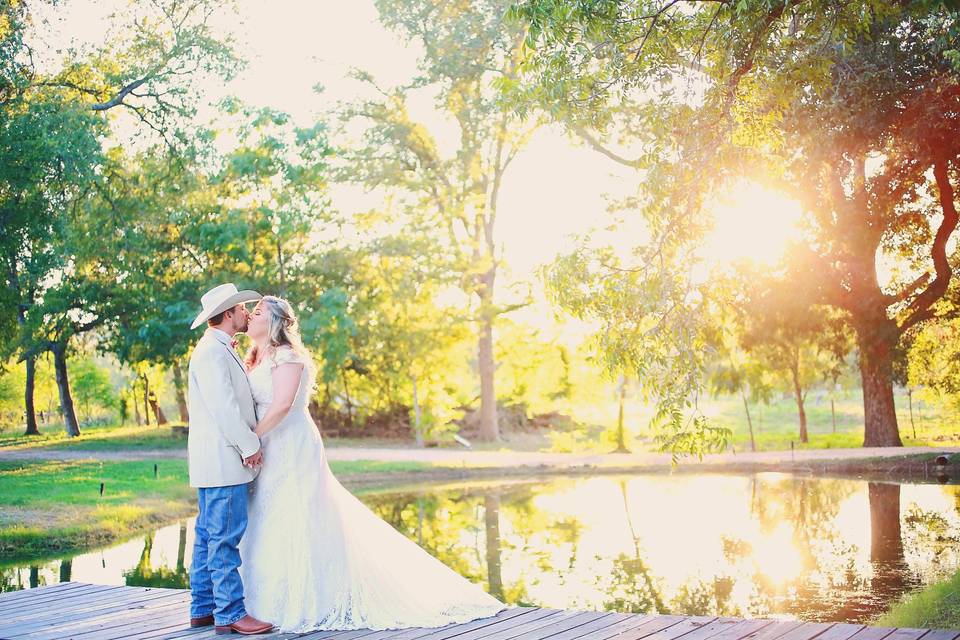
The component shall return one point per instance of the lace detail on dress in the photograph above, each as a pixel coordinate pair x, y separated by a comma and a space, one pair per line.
315, 557
283, 355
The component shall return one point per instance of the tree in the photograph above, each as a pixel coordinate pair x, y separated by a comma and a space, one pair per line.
147, 71
245, 213
91, 385
801, 342
734, 371
51, 149
458, 192
851, 106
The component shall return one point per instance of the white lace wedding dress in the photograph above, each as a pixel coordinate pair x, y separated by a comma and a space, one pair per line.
315, 557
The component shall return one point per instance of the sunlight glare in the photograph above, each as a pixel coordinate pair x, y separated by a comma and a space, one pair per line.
751, 221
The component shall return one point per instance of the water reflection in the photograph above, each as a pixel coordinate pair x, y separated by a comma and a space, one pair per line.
761, 545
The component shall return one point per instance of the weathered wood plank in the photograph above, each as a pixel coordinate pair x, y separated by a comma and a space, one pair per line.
623, 622
78, 627
578, 619
12, 596
476, 629
807, 631
942, 634
841, 631
598, 624
450, 630
57, 596
103, 612
690, 625
650, 627
170, 619
518, 630
90, 605
774, 630
908, 634
739, 630
62, 598
872, 633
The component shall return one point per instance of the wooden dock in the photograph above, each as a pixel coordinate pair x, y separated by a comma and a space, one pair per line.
99, 612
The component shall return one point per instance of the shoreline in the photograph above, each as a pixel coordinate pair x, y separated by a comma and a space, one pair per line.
905, 467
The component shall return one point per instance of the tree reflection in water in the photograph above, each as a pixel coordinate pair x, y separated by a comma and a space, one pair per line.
145, 575
816, 549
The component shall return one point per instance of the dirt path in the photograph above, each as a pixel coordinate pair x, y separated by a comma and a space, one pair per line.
466, 458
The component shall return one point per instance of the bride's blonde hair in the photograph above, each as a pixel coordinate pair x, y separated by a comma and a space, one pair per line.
283, 330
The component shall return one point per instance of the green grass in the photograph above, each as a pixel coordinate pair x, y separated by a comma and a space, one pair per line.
53, 507
110, 437
776, 425
936, 607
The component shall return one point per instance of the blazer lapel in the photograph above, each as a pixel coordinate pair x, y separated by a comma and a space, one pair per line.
236, 358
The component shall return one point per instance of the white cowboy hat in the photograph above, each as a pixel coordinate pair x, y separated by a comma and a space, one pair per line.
221, 298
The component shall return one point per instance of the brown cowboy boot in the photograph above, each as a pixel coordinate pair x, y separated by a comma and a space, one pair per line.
247, 625
203, 621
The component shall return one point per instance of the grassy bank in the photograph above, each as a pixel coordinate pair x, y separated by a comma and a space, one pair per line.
776, 425
110, 437
775, 428
54, 507
936, 607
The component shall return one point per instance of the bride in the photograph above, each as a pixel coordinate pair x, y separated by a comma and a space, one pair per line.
314, 557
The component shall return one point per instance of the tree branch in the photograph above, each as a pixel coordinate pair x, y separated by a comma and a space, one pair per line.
922, 305
118, 99
598, 146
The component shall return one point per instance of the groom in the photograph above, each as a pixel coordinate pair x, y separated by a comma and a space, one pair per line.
224, 456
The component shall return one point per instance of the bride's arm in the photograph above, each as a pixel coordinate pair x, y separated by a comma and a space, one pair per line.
286, 382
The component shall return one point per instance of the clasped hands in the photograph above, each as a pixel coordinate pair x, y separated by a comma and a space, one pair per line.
255, 460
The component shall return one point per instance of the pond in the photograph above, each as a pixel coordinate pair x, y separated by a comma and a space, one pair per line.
770, 545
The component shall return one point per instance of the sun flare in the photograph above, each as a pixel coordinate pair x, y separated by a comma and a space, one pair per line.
751, 222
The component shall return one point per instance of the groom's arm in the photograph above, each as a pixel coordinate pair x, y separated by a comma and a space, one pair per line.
217, 393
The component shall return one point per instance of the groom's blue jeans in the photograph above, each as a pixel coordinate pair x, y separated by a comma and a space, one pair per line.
215, 583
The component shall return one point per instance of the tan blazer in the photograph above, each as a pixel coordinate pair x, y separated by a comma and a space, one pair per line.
222, 415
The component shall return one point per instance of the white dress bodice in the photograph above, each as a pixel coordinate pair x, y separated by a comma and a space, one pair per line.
261, 382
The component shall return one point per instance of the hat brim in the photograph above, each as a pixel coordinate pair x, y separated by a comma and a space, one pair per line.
247, 295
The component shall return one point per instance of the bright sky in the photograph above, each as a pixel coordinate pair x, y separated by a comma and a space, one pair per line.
553, 190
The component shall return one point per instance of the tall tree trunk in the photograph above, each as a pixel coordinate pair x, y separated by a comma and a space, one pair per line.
417, 413
179, 389
28, 389
621, 439
746, 408
876, 374
146, 398
136, 403
30, 414
158, 413
489, 425
491, 522
833, 414
798, 396
889, 581
182, 547
63, 386
66, 570
346, 394
886, 543
913, 426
